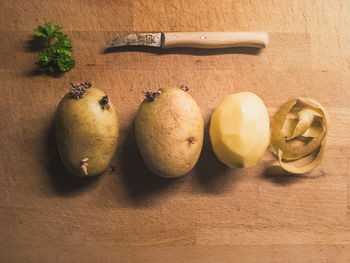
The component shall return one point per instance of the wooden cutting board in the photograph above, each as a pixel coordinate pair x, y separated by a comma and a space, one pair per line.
213, 214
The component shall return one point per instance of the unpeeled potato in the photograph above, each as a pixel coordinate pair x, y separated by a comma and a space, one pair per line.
169, 131
86, 129
240, 130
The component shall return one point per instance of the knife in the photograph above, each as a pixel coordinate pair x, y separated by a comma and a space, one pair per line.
193, 39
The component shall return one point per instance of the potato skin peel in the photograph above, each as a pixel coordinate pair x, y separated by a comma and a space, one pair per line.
85, 130
163, 128
287, 151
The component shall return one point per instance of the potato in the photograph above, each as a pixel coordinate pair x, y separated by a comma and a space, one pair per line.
169, 131
240, 130
86, 129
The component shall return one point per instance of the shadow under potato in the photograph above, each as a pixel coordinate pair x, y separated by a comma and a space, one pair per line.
185, 50
277, 175
141, 185
61, 180
213, 176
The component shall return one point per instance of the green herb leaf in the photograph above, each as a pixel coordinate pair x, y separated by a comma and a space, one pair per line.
65, 63
40, 32
57, 56
46, 56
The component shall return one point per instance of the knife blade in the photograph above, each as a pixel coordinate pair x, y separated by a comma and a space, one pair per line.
193, 39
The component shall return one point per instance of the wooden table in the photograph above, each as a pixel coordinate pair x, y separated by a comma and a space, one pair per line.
213, 214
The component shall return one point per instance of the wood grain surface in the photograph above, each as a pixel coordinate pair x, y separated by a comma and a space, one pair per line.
213, 214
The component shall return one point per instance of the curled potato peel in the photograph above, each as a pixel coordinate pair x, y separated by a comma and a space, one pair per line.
299, 129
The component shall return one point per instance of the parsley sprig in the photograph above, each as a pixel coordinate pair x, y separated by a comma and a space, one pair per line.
56, 57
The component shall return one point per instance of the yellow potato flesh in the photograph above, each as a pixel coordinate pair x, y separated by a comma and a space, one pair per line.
240, 130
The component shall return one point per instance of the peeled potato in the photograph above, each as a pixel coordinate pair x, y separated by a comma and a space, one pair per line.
240, 130
86, 129
169, 131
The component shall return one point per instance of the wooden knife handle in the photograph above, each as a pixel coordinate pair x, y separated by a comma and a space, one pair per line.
215, 39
